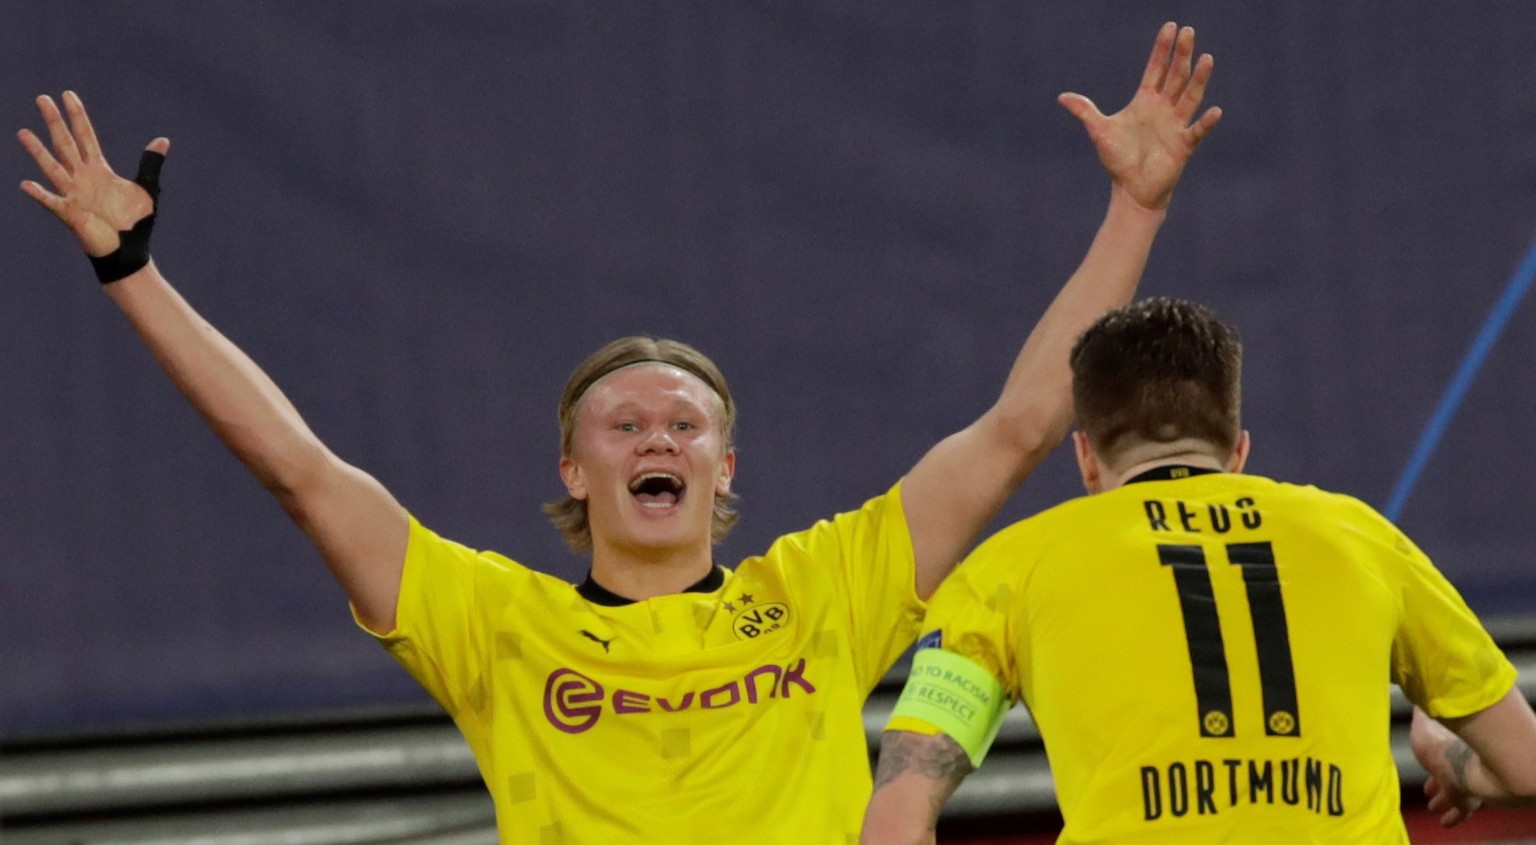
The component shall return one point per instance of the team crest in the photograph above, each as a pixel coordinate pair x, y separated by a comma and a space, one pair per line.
760, 619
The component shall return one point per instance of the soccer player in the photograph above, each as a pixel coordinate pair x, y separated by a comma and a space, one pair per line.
1207, 654
665, 698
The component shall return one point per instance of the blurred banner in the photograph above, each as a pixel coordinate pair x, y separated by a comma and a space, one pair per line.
418, 217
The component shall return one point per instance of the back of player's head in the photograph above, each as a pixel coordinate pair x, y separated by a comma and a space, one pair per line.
1158, 371
570, 515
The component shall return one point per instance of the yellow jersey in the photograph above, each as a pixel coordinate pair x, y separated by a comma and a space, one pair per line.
1208, 656
730, 712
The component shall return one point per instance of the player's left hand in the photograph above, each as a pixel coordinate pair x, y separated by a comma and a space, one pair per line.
1145, 145
1430, 742
1449, 803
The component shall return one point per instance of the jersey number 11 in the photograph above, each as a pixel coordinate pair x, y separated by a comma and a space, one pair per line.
1207, 652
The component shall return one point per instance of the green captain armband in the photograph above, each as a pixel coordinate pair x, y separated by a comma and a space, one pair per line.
957, 696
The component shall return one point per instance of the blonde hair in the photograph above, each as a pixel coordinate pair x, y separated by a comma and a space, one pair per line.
570, 514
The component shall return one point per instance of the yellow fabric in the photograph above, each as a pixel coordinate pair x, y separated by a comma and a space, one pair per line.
700, 717
1077, 613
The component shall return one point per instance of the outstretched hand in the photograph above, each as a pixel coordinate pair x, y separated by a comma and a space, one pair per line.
1145, 145
93, 201
1444, 756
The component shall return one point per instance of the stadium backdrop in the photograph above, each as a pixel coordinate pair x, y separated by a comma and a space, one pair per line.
419, 217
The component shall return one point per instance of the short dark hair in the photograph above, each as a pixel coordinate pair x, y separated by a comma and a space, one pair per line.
1157, 371
570, 515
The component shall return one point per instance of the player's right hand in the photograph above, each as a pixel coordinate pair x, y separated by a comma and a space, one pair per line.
1145, 145
88, 197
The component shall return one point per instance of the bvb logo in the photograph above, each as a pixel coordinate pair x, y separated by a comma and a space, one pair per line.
1281, 722
756, 621
1216, 723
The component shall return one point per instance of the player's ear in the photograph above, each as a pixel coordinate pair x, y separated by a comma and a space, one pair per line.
1240, 450
575, 480
1087, 463
727, 472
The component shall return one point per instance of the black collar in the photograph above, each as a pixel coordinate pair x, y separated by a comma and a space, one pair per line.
1169, 472
598, 594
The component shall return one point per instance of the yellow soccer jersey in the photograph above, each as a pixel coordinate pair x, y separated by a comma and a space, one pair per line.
1207, 656
728, 713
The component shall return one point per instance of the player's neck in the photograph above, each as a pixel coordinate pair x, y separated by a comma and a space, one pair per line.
640, 574
1193, 458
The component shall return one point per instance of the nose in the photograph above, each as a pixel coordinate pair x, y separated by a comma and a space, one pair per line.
658, 440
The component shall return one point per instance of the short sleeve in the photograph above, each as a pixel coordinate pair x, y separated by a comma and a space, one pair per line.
1442, 657
439, 636
970, 614
866, 556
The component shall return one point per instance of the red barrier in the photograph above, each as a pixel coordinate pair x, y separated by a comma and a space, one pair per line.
1487, 827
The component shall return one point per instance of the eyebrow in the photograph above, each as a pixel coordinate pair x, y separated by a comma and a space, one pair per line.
672, 407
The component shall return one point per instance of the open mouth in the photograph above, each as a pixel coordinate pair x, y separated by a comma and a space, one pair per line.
657, 489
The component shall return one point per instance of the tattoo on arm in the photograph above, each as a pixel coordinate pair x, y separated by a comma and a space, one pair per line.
1459, 755
936, 758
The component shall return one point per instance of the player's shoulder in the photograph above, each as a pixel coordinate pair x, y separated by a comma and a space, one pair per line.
880, 519
794, 565
1308, 509
1035, 534
487, 566
1063, 518
1339, 506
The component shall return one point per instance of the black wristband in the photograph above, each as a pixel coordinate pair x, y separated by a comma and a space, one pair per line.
132, 251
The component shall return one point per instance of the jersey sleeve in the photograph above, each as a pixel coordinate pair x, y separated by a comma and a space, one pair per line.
971, 616
1442, 657
865, 557
439, 635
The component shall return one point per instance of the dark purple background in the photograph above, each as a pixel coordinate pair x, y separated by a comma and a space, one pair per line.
418, 217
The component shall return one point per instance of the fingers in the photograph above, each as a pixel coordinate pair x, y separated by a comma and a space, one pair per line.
161, 145
80, 122
1176, 77
61, 178
1204, 125
63, 142
1194, 93
1081, 108
1179, 68
46, 199
1458, 814
1451, 806
150, 162
1440, 803
1157, 65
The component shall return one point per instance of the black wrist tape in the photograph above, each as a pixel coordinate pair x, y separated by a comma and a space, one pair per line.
132, 251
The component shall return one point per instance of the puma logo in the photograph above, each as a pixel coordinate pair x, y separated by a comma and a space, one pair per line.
596, 639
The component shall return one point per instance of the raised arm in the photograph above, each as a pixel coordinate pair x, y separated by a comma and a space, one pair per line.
1488, 757
962, 482
357, 525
